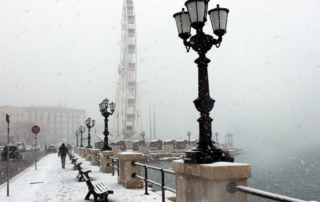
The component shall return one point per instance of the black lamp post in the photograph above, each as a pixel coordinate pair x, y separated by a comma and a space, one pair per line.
77, 134
189, 134
143, 134
196, 17
81, 130
89, 126
104, 111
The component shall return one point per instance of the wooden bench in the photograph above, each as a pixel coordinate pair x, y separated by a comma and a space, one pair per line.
71, 156
98, 190
83, 172
74, 160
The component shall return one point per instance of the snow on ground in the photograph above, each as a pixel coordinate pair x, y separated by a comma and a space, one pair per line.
52, 183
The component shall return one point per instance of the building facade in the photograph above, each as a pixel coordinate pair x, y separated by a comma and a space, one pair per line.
57, 124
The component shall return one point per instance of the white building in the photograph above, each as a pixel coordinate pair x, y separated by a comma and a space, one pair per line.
57, 124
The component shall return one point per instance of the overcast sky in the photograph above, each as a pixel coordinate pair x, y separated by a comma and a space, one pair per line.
264, 77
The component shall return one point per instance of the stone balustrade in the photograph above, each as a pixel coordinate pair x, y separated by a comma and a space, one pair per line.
104, 161
83, 152
126, 170
88, 154
144, 149
116, 150
208, 182
94, 156
169, 148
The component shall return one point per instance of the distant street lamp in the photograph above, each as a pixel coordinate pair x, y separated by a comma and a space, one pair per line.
231, 136
104, 111
77, 134
225, 137
196, 17
189, 134
217, 134
143, 134
89, 126
81, 130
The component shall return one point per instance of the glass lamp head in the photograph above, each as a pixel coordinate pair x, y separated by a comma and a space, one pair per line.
219, 18
112, 106
101, 107
197, 12
183, 24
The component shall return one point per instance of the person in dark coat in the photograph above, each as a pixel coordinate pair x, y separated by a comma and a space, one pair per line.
63, 150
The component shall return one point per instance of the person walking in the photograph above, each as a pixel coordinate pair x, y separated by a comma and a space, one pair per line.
63, 150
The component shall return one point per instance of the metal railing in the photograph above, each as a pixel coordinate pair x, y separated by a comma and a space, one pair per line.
232, 188
146, 180
114, 165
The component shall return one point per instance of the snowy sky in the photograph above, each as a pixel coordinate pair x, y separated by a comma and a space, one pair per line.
264, 77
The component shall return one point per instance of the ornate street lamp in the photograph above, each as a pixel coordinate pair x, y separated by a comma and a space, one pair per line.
217, 134
104, 111
81, 130
196, 17
77, 134
89, 126
143, 134
189, 134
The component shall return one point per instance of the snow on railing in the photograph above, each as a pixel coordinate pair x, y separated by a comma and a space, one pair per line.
232, 188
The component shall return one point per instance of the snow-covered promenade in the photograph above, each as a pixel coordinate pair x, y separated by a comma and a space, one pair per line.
52, 183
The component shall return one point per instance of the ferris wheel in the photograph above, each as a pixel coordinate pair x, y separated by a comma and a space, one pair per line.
127, 115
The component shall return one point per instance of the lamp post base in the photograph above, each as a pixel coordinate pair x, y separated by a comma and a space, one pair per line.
106, 148
89, 146
199, 156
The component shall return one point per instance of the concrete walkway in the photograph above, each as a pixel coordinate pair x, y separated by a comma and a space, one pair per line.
52, 183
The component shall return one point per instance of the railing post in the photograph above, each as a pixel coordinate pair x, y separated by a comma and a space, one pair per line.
208, 182
126, 170
112, 166
146, 180
162, 185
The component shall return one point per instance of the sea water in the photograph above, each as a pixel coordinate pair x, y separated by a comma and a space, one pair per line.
293, 172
